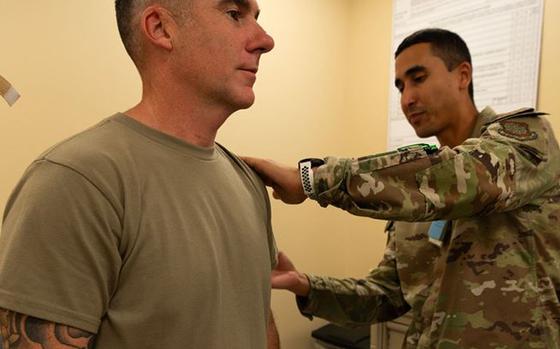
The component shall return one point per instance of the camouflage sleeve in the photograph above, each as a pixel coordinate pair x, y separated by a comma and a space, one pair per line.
502, 170
354, 302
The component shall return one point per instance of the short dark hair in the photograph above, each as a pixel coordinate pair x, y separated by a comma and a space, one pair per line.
445, 44
125, 12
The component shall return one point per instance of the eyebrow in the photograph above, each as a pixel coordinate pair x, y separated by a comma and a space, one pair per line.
242, 4
411, 71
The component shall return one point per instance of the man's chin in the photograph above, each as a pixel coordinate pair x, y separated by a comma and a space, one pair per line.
241, 99
245, 101
246, 104
424, 133
240, 105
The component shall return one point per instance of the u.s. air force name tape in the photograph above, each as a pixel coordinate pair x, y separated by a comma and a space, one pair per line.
8, 92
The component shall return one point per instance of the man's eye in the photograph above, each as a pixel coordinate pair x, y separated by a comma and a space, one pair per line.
419, 78
234, 14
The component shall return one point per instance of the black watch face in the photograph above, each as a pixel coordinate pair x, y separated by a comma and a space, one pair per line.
315, 162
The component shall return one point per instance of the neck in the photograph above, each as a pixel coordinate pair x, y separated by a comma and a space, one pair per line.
171, 111
462, 126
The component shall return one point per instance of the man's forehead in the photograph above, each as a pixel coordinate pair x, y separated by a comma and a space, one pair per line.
416, 51
417, 54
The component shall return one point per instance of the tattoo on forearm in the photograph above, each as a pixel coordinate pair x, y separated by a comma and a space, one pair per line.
23, 331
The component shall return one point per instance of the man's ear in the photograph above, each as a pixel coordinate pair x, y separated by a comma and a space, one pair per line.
158, 26
464, 71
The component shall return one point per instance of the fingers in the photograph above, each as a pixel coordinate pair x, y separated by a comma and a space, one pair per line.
264, 167
284, 281
284, 263
285, 180
292, 281
286, 277
252, 162
259, 166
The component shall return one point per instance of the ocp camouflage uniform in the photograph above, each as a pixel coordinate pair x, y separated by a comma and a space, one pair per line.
494, 281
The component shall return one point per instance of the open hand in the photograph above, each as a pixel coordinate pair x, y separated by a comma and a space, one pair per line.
286, 277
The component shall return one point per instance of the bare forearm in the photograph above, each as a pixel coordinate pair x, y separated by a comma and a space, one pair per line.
18, 331
272, 334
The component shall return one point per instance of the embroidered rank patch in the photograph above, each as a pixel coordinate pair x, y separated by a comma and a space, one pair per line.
517, 130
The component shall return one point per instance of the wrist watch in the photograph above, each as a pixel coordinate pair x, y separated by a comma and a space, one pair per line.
306, 173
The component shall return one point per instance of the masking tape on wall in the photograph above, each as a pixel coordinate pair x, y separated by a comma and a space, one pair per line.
8, 92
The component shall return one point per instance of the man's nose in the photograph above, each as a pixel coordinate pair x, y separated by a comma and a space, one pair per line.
408, 98
261, 41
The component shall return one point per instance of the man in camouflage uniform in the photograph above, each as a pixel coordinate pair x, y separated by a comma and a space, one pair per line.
474, 248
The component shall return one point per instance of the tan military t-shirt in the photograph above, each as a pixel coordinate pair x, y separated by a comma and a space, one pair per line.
141, 238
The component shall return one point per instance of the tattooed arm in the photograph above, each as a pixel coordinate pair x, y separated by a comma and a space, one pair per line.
18, 331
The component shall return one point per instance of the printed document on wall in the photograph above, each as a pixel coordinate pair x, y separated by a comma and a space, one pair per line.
504, 37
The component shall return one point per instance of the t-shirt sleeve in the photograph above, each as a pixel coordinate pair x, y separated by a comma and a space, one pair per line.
59, 256
272, 248
260, 189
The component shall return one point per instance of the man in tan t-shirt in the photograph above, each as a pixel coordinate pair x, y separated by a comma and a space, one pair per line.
142, 232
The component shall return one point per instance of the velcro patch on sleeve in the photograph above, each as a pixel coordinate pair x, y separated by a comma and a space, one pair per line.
517, 130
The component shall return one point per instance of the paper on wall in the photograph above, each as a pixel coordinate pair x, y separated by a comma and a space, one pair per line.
8, 92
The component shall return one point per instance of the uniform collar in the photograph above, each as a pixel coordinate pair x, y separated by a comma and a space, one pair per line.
483, 118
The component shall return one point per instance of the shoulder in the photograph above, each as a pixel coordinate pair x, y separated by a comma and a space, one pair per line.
104, 140
526, 130
101, 157
241, 166
491, 117
248, 176
107, 152
524, 125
